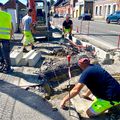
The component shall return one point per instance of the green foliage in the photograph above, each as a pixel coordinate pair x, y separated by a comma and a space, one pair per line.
52, 2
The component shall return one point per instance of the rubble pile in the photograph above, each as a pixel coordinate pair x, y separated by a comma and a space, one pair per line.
56, 68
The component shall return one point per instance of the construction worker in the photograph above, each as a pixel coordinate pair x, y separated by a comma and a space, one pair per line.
101, 84
67, 27
6, 32
27, 31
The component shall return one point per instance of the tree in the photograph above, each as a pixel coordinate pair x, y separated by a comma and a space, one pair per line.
52, 2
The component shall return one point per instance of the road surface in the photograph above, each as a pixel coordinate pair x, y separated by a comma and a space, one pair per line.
107, 33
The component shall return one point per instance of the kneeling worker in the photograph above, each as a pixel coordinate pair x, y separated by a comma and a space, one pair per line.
102, 85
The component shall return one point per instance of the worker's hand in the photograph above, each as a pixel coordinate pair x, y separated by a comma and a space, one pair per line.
86, 97
62, 104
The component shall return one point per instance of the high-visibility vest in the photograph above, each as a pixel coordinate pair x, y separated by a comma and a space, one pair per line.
5, 25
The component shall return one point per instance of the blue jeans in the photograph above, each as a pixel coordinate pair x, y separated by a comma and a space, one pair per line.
5, 53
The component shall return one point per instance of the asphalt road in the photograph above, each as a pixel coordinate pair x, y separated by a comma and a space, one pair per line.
100, 30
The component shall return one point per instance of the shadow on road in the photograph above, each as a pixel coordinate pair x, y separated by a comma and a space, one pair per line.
30, 99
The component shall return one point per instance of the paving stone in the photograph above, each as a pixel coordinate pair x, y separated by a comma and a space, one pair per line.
25, 58
3, 101
9, 108
81, 105
34, 58
15, 57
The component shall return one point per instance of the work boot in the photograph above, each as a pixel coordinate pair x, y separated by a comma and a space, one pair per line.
25, 50
63, 36
32, 47
9, 70
70, 36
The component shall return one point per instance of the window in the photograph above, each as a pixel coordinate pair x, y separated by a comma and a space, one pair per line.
118, 12
114, 8
109, 7
100, 11
96, 10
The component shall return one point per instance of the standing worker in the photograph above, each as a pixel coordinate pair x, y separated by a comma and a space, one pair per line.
6, 32
27, 31
67, 27
100, 83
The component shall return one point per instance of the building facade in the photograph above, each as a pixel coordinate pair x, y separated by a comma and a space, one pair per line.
103, 8
74, 7
10, 7
63, 7
83, 6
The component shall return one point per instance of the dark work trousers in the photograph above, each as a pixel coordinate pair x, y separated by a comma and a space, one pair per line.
70, 36
5, 52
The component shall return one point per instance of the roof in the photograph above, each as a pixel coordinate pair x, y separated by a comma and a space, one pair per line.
12, 4
62, 2
65, 2
58, 2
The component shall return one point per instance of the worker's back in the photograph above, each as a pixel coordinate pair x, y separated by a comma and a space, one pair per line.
26, 21
101, 83
5, 25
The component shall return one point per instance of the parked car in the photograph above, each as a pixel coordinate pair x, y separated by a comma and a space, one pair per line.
61, 15
85, 16
55, 15
115, 17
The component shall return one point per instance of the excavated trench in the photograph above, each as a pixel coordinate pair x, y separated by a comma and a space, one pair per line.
54, 70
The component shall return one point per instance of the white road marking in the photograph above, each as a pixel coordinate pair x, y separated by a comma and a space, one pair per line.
115, 32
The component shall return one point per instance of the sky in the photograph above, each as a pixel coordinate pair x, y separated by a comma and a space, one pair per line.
23, 1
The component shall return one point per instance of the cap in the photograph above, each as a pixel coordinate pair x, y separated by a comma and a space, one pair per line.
83, 59
67, 15
1, 4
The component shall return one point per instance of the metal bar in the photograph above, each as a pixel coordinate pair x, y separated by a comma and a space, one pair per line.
69, 73
81, 27
88, 27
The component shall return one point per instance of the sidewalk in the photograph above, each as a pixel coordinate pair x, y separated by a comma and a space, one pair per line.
95, 20
93, 40
19, 104
104, 21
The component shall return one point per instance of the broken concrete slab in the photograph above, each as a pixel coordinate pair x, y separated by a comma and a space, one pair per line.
34, 58
81, 105
15, 57
25, 58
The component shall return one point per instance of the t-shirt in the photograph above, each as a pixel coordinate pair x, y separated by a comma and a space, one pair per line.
101, 83
67, 24
26, 21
